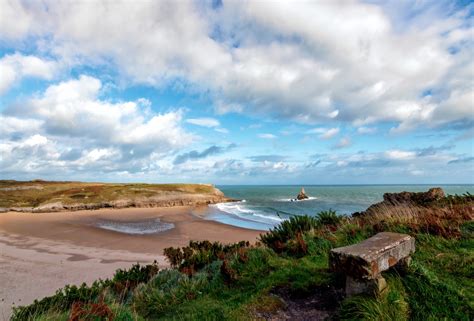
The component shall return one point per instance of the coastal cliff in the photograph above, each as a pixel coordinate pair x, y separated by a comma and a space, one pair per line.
46, 196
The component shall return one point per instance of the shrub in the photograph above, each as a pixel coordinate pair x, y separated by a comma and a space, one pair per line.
125, 280
196, 255
278, 237
329, 217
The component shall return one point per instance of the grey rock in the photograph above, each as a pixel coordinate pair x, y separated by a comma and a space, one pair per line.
363, 263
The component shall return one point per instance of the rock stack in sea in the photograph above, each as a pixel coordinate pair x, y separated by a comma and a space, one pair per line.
302, 195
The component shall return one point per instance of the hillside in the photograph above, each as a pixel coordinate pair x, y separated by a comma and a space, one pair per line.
50, 196
286, 276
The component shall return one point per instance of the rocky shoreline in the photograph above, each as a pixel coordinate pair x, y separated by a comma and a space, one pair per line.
192, 200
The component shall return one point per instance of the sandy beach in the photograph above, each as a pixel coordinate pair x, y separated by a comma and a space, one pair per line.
40, 253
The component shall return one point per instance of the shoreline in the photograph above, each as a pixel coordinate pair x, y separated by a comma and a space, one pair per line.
42, 252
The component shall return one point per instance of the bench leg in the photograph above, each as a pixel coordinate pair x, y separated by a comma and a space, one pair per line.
403, 265
354, 286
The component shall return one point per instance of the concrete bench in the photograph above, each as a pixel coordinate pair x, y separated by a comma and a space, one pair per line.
362, 263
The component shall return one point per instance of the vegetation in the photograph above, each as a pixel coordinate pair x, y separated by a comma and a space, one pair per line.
211, 281
36, 193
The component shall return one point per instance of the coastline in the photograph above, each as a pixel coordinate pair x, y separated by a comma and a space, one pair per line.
41, 252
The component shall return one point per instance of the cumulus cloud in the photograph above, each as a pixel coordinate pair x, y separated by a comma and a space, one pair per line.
249, 61
16, 66
409, 68
124, 134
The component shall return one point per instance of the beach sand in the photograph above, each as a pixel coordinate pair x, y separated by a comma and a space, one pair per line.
40, 253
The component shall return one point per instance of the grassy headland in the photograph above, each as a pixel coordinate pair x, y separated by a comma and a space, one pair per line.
49, 196
286, 275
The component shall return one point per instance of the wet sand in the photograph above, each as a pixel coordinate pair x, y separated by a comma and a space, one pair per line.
40, 253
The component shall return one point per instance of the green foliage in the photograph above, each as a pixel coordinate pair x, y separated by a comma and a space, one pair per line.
329, 217
62, 300
197, 255
288, 235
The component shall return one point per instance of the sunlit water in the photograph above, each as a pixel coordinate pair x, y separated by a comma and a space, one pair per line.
262, 207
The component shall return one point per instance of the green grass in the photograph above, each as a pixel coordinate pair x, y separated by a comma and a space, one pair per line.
237, 284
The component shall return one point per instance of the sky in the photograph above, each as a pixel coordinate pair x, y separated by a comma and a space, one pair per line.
237, 92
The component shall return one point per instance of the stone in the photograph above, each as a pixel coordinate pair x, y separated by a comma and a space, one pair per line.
354, 286
364, 262
302, 195
403, 199
419, 198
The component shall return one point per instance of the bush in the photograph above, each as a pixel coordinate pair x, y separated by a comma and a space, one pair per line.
329, 217
196, 255
293, 229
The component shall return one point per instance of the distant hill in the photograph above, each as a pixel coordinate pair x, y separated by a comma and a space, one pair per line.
51, 196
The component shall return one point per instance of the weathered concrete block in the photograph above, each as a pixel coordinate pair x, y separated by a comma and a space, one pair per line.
367, 259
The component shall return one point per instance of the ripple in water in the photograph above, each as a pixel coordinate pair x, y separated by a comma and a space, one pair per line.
140, 228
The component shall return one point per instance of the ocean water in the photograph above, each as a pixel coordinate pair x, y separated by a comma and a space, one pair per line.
262, 207
140, 228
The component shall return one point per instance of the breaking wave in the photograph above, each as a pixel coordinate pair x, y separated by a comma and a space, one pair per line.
311, 198
242, 211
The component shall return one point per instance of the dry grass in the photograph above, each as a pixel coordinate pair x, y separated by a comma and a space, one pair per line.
437, 220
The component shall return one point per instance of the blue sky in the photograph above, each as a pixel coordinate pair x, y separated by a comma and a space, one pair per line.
237, 92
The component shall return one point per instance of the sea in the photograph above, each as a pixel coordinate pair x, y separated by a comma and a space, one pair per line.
263, 207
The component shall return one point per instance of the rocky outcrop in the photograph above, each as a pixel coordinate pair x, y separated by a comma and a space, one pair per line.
302, 195
420, 198
392, 200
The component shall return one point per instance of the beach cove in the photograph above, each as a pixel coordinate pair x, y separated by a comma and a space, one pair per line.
42, 252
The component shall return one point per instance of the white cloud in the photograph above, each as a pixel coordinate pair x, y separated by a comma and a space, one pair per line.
397, 154
16, 66
204, 121
103, 135
71, 108
267, 136
14, 125
208, 122
222, 130
324, 133
274, 58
